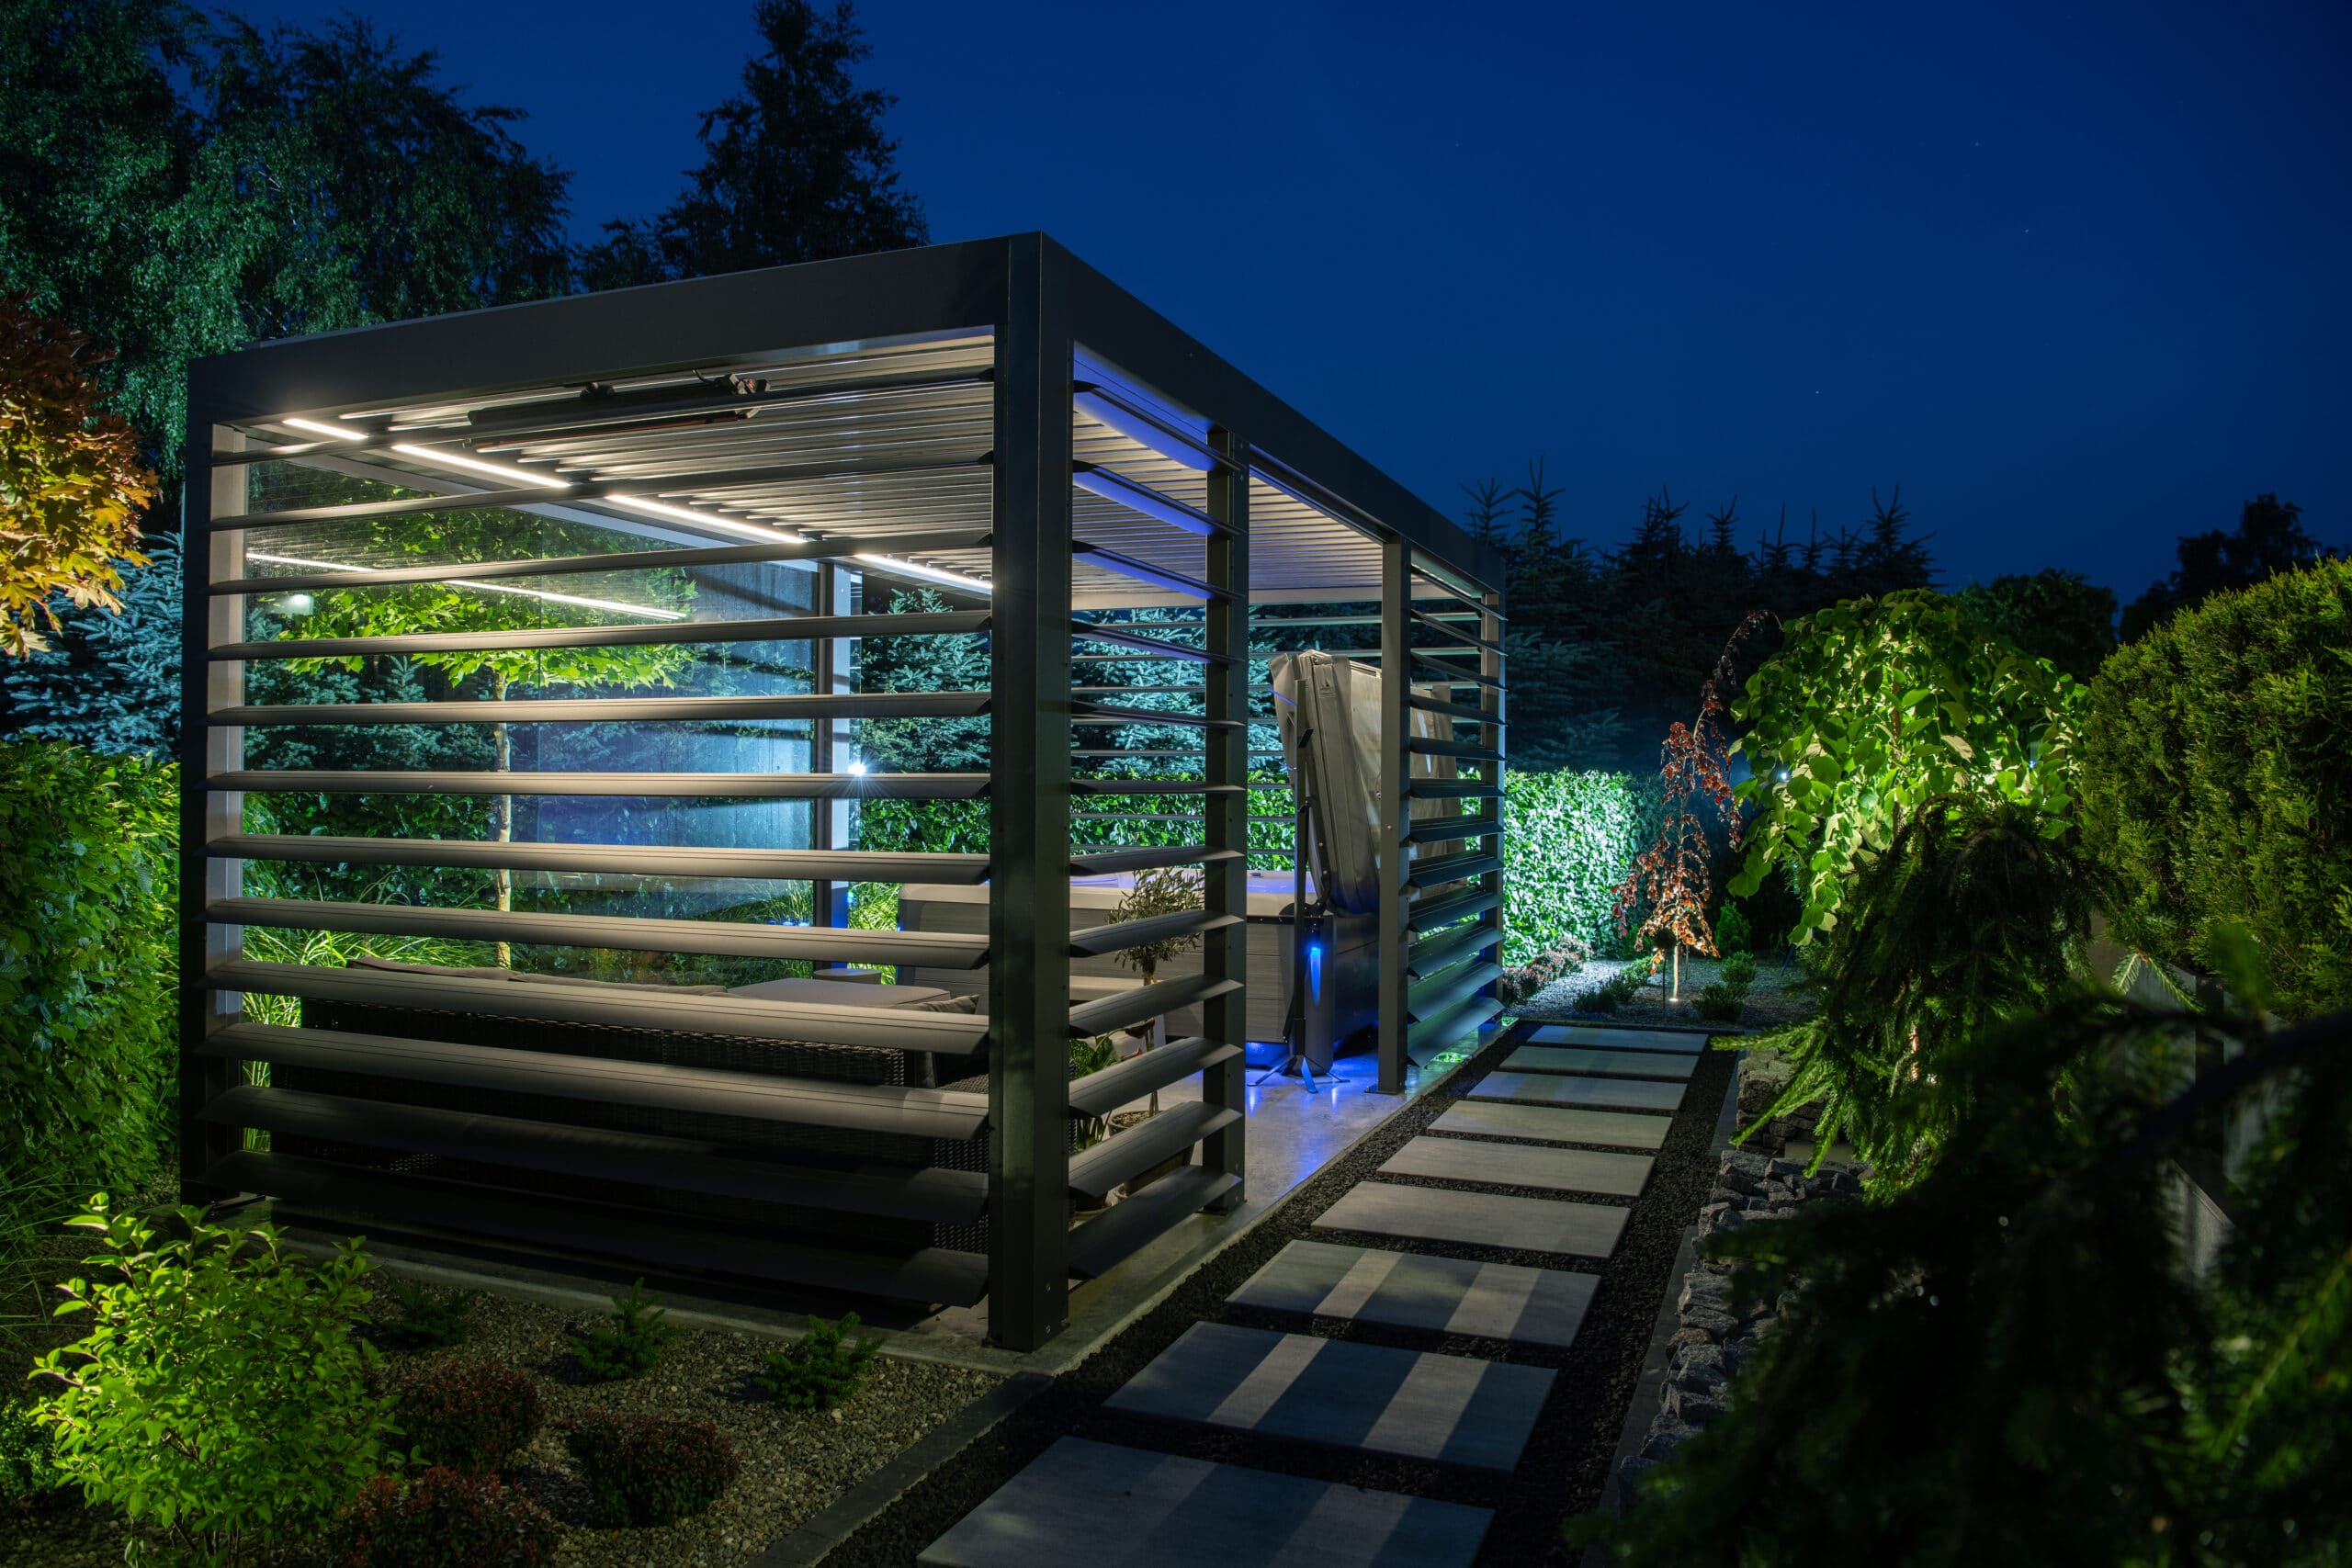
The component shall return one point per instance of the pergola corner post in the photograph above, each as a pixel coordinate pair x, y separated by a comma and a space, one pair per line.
1226, 882
1396, 810
207, 750
1029, 813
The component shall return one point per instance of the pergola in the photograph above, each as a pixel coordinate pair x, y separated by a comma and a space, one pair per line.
748, 465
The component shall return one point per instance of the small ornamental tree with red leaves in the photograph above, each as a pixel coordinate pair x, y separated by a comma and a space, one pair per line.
1674, 880
71, 486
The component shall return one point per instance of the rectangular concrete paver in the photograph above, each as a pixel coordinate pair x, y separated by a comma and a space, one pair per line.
1501, 1118
1521, 1165
1548, 1088
1604, 1064
1619, 1039
1416, 1404
1444, 1295
1480, 1219
1109, 1507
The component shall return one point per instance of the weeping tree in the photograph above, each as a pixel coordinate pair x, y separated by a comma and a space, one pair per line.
432, 607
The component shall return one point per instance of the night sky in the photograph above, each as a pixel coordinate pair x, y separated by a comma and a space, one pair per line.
2080, 279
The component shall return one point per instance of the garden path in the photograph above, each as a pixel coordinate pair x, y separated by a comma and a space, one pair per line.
1568, 1090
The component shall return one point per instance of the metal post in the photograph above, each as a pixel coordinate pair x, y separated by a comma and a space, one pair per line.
1395, 812
1224, 952
1490, 739
205, 815
1029, 844
830, 738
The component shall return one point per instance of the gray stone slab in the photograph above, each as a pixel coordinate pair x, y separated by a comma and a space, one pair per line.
1109, 1507
1600, 1064
1415, 1403
1521, 1165
1548, 1088
1501, 1118
1444, 1295
1619, 1039
1480, 1219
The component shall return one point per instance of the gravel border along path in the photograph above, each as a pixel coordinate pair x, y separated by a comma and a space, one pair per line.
1567, 1460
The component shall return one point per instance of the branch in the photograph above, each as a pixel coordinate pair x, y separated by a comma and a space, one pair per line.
2280, 1053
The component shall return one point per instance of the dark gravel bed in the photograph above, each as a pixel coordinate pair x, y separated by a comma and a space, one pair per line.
1569, 1455
1771, 1000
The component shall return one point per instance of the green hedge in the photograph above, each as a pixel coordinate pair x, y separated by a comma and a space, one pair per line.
1569, 837
2217, 780
88, 1016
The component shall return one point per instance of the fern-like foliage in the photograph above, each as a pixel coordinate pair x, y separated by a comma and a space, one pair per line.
1972, 918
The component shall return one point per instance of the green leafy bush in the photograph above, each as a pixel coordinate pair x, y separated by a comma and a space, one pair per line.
653, 1470
28, 1468
446, 1519
468, 1415
630, 1344
1573, 837
88, 924
1739, 970
1877, 706
820, 1369
1732, 932
2217, 780
429, 1319
220, 1398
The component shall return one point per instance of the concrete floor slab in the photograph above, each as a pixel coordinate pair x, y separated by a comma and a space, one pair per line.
1600, 1064
1501, 1118
1414, 1403
1480, 1219
1521, 1165
1546, 1089
1619, 1039
1110, 1507
1444, 1295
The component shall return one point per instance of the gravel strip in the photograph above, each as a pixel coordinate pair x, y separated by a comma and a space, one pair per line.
795, 1464
1568, 1456
1771, 1001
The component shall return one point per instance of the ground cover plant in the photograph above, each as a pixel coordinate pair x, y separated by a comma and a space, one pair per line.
445, 1519
220, 1398
466, 1416
653, 1470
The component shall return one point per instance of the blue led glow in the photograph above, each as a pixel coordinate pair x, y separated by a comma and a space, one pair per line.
1314, 970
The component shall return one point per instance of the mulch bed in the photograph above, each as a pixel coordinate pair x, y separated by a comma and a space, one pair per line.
1567, 1458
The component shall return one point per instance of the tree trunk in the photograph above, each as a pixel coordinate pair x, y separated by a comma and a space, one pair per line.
1677, 974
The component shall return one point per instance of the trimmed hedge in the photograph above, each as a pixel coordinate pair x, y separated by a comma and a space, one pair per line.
2217, 780
90, 882
1568, 840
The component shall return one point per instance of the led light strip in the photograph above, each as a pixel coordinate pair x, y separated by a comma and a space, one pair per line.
936, 574
487, 587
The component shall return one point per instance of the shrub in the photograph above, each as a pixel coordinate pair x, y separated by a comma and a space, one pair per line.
2217, 780
219, 1397
820, 1369
1732, 932
1739, 970
1573, 837
1523, 982
630, 1344
428, 1320
28, 1469
88, 924
468, 1416
653, 1470
446, 1519
1719, 1003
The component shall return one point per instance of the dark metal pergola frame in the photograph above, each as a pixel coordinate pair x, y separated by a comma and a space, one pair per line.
1440, 923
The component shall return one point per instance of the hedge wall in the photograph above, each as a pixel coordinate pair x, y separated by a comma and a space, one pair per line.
88, 1017
2217, 780
1568, 838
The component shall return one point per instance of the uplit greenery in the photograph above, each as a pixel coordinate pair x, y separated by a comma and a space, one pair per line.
1572, 838
1875, 706
2217, 780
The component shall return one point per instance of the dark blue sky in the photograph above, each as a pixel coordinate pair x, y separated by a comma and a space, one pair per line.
2079, 279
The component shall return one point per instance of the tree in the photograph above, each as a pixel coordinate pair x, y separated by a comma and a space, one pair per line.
923, 662
71, 486
2269, 540
1874, 707
2058, 615
796, 167
112, 683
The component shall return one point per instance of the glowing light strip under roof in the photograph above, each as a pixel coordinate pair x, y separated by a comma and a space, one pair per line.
936, 574
491, 588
